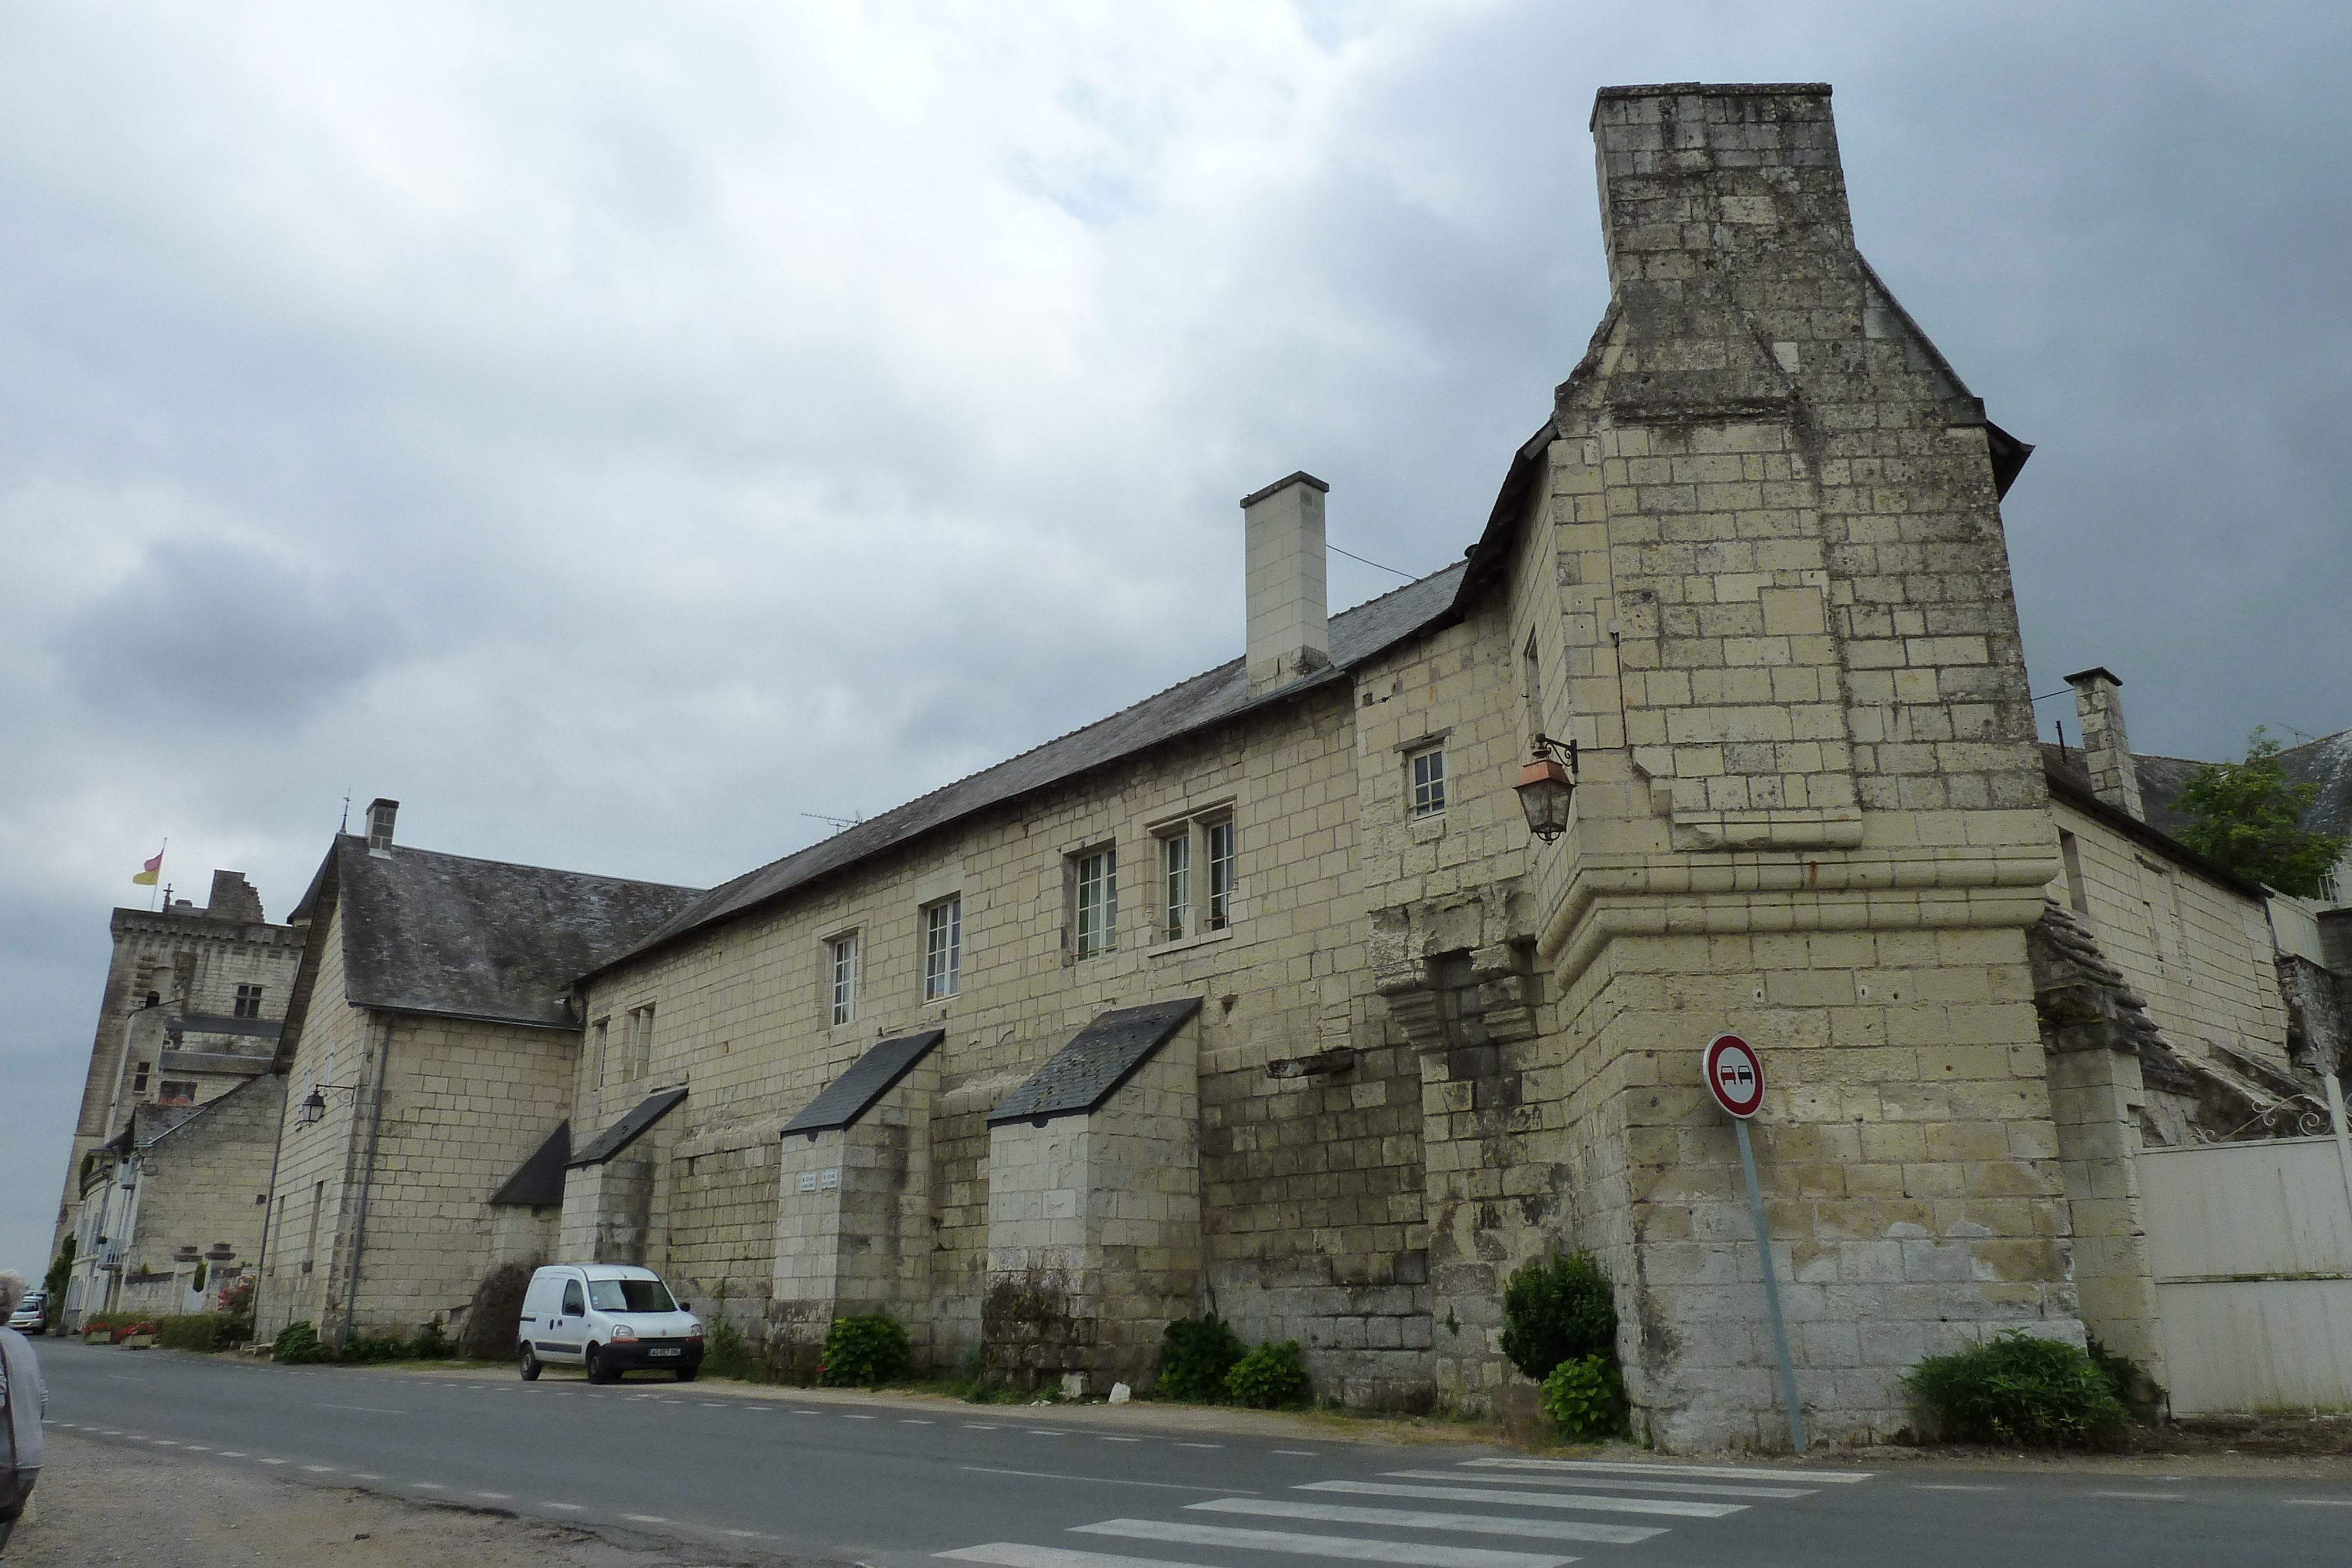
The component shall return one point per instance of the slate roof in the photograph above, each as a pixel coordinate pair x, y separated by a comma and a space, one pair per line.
2326, 762
431, 932
627, 1130
538, 1182
1089, 1070
870, 1077
1222, 694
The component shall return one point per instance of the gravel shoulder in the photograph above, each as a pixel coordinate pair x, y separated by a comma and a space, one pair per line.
100, 1505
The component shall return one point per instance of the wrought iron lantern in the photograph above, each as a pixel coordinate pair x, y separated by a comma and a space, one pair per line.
1547, 785
311, 1109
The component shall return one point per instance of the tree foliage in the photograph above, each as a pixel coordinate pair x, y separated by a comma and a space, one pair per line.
1557, 1309
2249, 819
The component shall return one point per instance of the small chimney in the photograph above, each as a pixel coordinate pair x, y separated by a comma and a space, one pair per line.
1289, 615
2106, 751
381, 813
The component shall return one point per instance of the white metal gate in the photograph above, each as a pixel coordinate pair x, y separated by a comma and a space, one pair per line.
2250, 1245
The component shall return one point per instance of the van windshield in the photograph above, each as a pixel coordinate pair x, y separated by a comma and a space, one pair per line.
630, 1296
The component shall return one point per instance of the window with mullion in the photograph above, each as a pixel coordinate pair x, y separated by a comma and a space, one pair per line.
1176, 852
843, 953
942, 948
1429, 782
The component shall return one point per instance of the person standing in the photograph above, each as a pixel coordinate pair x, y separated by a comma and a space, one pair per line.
23, 1400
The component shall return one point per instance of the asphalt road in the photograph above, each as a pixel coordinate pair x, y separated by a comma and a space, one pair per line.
896, 1484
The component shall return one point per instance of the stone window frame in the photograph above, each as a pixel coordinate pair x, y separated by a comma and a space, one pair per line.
1090, 924
1425, 793
1196, 874
139, 1078
943, 959
249, 1002
843, 957
175, 1091
600, 1040
640, 1042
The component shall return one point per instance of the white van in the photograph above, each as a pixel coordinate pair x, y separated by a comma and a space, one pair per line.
607, 1318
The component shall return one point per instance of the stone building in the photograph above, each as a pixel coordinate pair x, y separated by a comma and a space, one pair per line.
428, 1048
1751, 566
194, 1004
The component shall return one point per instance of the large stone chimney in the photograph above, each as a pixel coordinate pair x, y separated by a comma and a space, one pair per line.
1289, 615
380, 815
2107, 750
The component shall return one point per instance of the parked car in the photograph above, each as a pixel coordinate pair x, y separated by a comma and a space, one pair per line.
608, 1319
32, 1314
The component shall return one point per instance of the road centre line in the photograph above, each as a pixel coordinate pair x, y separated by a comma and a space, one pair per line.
1105, 1481
1590, 1502
1200, 1445
320, 1469
647, 1518
1708, 1472
2143, 1496
1302, 1453
1350, 1547
2320, 1503
1937, 1486
1701, 1487
566, 1507
1412, 1519
371, 1409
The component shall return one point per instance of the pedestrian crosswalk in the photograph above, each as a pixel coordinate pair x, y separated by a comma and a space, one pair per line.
1387, 1520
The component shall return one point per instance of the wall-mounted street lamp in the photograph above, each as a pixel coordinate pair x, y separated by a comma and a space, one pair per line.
315, 1106
1546, 787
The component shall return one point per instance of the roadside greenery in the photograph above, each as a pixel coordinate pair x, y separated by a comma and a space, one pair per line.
297, 1344
1268, 1377
2018, 1389
863, 1352
1560, 1327
2249, 817
1195, 1355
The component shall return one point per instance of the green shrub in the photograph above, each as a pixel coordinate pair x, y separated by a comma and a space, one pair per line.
374, 1349
863, 1352
234, 1303
1584, 1398
1559, 1309
2018, 1389
60, 1270
1269, 1376
195, 1331
432, 1343
727, 1352
1195, 1355
296, 1343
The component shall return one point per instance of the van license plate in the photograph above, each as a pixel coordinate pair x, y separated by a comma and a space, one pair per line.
661, 1352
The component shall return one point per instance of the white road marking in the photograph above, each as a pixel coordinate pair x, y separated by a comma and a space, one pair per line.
429, 1486
165, 1443
647, 1518
743, 1534
1701, 1487
1012, 1554
1106, 1480
2320, 1502
1940, 1486
365, 1476
195, 1447
1345, 1546
1711, 1472
567, 1507
980, 1427
320, 1469
1412, 1519
1044, 1432
273, 1461
1302, 1453
371, 1409
496, 1496
1590, 1502
848, 1416
2143, 1496
910, 1421
1100, 1438
232, 1453
1200, 1445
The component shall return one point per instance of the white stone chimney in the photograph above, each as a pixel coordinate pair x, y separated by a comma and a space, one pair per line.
2106, 751
381, 813
1290, 614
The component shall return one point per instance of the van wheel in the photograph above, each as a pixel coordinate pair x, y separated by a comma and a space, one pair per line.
686, 1374
528, 1364
597, 1371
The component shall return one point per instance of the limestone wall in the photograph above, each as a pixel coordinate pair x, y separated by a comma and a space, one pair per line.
198, 1184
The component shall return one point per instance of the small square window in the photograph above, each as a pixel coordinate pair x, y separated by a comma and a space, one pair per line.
1095, 901
840, 962
248, 1001
139, 1080
1429, 782
942, 948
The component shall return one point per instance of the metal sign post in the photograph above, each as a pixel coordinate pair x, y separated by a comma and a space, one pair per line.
1735, 1076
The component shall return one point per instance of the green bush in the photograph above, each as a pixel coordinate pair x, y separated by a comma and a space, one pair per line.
2018, 1389
297, 1344
195, 1331
432, 1343
1268, 1377
1556, 1310
727, 1352
863, 1352
374, 1349
1195, 1355
60, 1270
1584, 1398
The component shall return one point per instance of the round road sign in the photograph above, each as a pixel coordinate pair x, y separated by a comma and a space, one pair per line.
1735, 1075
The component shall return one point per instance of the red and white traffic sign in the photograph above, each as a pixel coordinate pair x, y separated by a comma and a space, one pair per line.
1735, 1075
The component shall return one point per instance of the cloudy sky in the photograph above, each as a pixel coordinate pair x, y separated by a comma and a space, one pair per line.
616, 431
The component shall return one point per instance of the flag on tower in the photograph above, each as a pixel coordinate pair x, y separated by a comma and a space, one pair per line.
154, 869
